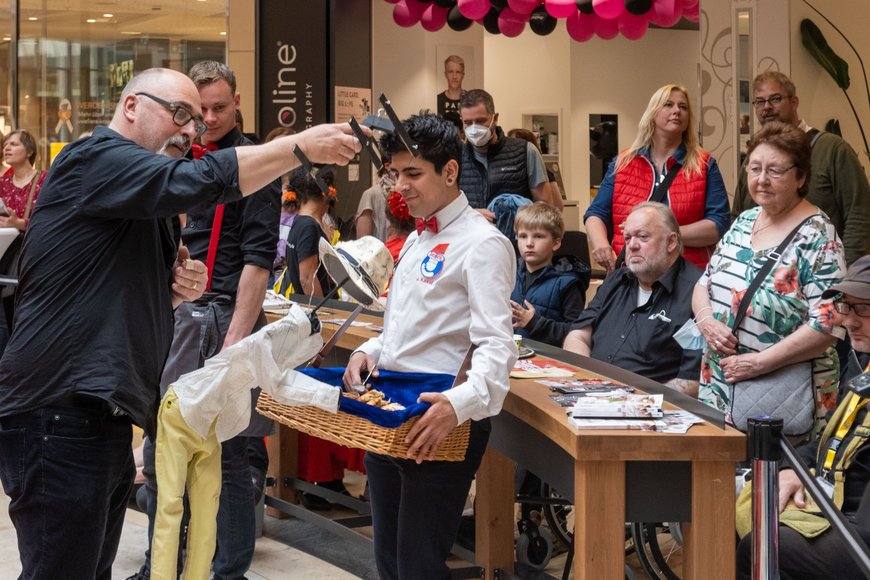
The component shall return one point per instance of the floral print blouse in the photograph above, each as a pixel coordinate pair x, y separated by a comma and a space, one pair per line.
790, 297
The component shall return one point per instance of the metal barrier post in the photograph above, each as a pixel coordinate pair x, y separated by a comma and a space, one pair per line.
764, 451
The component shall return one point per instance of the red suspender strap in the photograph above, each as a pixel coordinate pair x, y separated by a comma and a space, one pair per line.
213, 242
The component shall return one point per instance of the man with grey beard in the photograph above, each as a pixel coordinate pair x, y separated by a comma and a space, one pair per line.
239, 242
100, 274
632, 319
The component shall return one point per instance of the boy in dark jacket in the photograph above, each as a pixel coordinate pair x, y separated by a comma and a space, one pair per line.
549, 293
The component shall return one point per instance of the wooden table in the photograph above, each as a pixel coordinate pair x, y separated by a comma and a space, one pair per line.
612, 476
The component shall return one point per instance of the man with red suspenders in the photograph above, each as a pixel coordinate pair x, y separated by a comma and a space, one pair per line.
238, 243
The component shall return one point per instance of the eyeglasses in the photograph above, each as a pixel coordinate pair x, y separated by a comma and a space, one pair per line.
774, 100
180, 115
862, 310
755, 171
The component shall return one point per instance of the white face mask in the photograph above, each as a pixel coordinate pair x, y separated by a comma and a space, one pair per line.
478, 135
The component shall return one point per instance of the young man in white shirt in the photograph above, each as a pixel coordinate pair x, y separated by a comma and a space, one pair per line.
450, 290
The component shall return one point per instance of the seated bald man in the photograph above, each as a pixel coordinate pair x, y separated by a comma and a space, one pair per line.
632, 319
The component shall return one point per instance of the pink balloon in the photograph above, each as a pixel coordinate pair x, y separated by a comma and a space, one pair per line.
607, 28
510, 23
523, 6
560, 8
434, 17
665, 13
473, 9
631, 26
693, 13
608, 9
581, 27
686, 4
407, 12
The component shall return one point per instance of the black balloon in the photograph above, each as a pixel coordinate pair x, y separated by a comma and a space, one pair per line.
445, 3
638, 7
490, 21
456, 21
541, 22
585, 6
499, 4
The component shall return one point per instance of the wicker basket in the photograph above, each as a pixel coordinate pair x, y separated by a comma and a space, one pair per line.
352, 431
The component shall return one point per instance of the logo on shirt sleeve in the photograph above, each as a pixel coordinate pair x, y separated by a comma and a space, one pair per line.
433, 264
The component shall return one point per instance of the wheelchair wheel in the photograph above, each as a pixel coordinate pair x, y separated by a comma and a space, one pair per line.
534, 546
656, 544
559, 516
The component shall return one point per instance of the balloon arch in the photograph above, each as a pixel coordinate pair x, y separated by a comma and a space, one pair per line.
584, 18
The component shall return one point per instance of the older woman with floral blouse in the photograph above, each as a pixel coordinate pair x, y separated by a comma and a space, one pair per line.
788, 321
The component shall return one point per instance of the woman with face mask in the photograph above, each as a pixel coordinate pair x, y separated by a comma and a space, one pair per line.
371, 217
666, 143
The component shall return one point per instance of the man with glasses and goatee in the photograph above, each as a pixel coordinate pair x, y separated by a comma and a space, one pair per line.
238, 241
838, 184
100, 274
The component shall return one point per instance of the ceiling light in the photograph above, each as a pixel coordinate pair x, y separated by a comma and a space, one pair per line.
107, 15
90, 20
223, 33
131, 32
33, 18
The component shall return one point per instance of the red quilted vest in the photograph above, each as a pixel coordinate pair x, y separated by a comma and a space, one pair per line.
687, 195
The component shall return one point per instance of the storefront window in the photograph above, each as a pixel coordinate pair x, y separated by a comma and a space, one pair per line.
73, 62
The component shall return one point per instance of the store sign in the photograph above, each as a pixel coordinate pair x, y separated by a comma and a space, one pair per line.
293, 65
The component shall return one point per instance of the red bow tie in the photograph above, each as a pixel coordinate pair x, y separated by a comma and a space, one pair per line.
429, 224
199, 151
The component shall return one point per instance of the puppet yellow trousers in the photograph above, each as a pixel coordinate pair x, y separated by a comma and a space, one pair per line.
184, 460
213, 404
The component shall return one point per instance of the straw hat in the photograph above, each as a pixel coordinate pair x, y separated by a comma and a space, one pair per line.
366, 263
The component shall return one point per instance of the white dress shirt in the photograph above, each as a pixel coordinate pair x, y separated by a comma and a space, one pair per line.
220, 390
451, 290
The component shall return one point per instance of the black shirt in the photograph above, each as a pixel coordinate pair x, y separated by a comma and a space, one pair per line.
640, 338
249, 230
94, 310
302, 243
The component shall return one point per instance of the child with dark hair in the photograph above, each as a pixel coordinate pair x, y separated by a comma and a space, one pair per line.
303, 274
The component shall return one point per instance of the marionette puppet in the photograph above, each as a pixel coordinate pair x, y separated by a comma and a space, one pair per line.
213, 404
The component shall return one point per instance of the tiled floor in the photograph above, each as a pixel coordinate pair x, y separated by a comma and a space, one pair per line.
272, 560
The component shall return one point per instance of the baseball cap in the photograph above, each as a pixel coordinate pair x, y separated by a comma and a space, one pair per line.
856, 283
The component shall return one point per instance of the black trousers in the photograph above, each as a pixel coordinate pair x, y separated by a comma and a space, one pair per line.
820, 558
416, 509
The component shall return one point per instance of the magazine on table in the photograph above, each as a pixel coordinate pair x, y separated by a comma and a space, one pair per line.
672, 422
619, 406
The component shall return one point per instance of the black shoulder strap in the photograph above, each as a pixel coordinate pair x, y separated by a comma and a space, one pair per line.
661, 190
768, 265
658, 195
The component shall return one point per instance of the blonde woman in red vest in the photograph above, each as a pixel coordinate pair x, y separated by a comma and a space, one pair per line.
667, 135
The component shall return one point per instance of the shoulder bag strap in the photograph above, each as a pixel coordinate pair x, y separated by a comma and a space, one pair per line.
768, 265
29, 205
658, 195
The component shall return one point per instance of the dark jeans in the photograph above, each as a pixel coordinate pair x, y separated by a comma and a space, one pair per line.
235, 519
800, 558
416, 509
69, 472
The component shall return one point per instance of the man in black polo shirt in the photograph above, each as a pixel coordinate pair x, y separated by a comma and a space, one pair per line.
239, 241
632, 319
493, 163
100, 274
